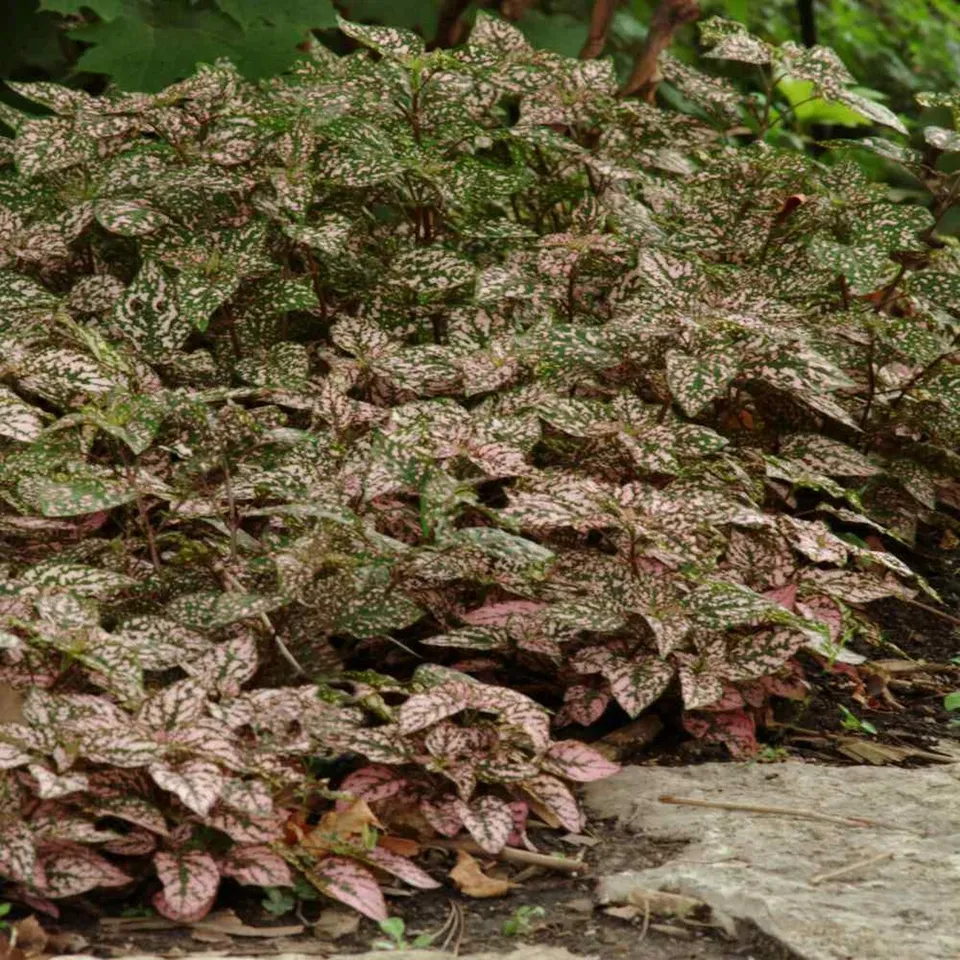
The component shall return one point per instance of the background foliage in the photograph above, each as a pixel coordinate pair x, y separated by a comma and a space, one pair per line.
898, 47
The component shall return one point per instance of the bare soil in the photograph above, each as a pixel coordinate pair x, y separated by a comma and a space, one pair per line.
569, 918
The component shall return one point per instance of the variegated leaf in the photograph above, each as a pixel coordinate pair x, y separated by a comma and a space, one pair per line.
74, 869
573, 760
256, 866
488, 820
345, 880
190, 882
196, 783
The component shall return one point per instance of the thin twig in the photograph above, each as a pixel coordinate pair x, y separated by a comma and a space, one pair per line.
600, 18
849, 868
776, 811
450, 27
234, 584
645, 929
148, 530
669, 16
932, 610
231, 505
515, 855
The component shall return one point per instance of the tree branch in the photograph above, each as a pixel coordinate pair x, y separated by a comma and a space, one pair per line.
600, 18
515, 9
450, 28
808, 22
669, 16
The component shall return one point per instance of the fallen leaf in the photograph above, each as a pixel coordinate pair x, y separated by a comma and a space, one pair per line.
630, 738
338, 825
11, 704
472, 881
7, 952
879, 754
336, 924
208, 936
399, 845
30, 937
62, 943
227, 923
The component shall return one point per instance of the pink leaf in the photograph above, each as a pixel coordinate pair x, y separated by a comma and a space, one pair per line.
128, 748
730, 699
502, 614
256, 866
442, 816
248, 796
196, 783
178, 705
134, 844
825, 610
134, 810
517, 710
556, 796
12, 757
403, 868
50, 786
243, 828
226, 668
190, 883
425, 709
520, 811
583, 705
786, 595
345, 880
210, 740
576, 761
488, 820
638, 683
371, 784
33, 900
71, 870
734, 728
18, 852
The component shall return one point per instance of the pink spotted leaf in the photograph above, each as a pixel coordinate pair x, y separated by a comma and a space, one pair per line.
190, 882
256, 866
350, 883
573, 760
488, 820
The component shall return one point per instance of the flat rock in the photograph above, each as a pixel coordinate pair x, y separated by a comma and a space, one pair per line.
757, 867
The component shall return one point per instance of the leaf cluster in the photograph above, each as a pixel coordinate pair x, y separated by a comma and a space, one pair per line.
539, 401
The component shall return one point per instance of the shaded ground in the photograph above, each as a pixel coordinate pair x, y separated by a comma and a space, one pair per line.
570, 918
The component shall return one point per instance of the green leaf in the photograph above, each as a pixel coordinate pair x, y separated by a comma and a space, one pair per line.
78, 496
696, 380
309, 14
148, 56
942, 289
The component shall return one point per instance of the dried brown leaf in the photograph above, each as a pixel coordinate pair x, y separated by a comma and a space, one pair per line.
472, 881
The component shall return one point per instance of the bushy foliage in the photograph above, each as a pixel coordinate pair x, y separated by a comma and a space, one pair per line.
456, 365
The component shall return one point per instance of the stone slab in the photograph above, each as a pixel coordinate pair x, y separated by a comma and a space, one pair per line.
757, 867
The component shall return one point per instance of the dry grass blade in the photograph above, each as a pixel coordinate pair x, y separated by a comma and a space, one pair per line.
849, 868
795, 812
515, 855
